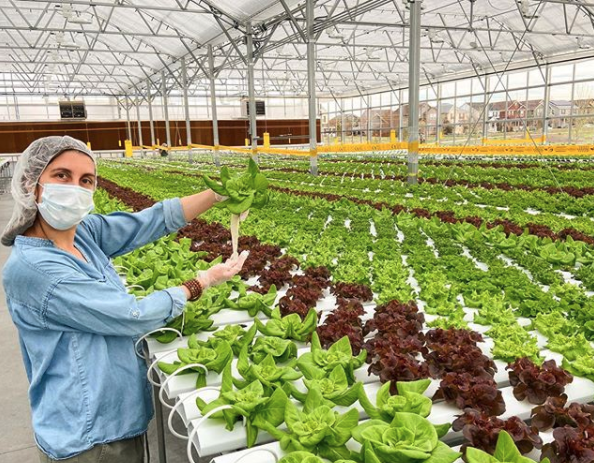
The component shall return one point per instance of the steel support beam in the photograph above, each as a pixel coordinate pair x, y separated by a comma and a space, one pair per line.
140, 142
400, 115
342, 126
486, 109
414, 72
547, 102
151, 119
165, 108
128, 127
311, 84
184, 72
438, 115
251, 95
213, 107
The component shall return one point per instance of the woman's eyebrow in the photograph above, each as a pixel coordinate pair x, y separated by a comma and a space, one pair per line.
62, 169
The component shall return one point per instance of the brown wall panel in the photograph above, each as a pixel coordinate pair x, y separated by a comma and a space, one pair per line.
16, 136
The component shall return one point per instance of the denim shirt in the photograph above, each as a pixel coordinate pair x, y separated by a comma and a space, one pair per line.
77, 326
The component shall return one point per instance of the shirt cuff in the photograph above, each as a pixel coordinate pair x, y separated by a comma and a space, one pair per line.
178, 300
174, 214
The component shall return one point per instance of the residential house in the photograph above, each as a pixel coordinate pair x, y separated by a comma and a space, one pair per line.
427, 118
334, 126
471, 112
509, 116
378, 121
532, 119
558, 115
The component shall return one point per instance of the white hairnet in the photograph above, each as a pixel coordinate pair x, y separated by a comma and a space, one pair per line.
27, 171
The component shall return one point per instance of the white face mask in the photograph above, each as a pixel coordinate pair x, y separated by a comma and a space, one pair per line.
64, 206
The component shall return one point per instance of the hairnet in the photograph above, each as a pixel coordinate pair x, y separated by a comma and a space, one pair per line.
27, 171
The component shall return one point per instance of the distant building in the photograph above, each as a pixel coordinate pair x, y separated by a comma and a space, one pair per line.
378, 121
558, 114
508, 116
334, 126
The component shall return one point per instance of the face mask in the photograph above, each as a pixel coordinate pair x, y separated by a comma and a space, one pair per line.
64, 206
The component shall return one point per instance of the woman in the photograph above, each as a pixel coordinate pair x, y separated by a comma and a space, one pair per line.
77, 324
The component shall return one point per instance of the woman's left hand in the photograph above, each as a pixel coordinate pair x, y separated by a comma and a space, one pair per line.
222, 272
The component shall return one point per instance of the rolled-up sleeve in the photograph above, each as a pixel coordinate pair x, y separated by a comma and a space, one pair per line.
121, 232
87, 305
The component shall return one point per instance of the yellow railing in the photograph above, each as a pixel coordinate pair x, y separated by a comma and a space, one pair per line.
423, 149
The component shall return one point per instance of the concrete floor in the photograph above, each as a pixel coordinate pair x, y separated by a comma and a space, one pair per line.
16, 436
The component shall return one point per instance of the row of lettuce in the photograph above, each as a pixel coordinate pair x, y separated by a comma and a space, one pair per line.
557, 211
536, 174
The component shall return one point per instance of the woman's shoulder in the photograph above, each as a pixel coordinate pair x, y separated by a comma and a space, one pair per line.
37, 260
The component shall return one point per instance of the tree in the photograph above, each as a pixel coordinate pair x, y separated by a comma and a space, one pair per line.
448, 128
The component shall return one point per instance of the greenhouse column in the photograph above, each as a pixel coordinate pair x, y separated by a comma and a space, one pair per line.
128, 128
251, 96
400, 114
342, 123
150, 108
165, 108
547, 99
486, 109
311, 82
414, 68
186, 108
213, 107
140, 142
438, 115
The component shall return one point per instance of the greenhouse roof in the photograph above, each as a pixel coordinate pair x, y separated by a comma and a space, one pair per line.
123, 47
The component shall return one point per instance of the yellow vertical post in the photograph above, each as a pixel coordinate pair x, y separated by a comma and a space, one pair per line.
247, 142
89, 144
128, 148
120, 143
266, 140
392, 136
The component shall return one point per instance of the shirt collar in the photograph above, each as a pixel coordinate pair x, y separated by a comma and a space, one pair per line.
33, 241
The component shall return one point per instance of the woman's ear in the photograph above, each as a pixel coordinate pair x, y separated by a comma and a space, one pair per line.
38, 191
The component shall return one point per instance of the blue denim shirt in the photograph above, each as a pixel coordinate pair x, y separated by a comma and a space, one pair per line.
77, 326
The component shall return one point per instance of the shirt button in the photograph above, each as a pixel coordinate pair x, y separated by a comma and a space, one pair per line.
135, 314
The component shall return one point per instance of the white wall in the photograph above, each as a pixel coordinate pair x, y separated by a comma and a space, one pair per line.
38, 108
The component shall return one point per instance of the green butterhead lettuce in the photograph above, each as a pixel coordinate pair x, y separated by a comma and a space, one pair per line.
317, 428
335, 388
214, 359
318, 363
266, 372
290, 326
251, 403
409, 438
282, 350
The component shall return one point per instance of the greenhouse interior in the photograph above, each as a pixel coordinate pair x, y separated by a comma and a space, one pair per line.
297, 231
